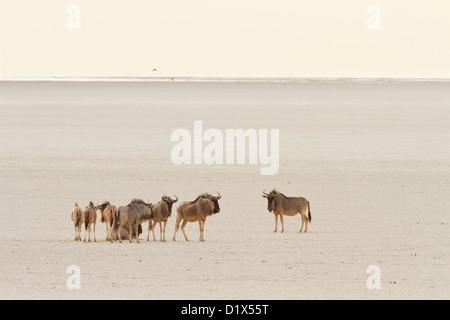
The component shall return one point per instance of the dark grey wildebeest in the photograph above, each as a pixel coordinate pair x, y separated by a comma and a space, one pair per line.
130, 217
288, 206
198, 210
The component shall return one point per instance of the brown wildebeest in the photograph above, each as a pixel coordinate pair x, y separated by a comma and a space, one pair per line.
289, 206
90, 219
190, 211
107, 216
131, 216
161, 211
123, 233
76, 216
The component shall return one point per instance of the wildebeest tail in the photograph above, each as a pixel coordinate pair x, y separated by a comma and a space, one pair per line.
86, 219
116, 219
79, 221
309, 213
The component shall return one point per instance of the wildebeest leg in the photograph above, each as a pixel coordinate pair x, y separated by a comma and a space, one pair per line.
153, 230
137, 232
110, 233
303, 221
149, 228
95, 240
306, 220
130, 233
107, 230
282, 222
164, 231
202, 227
118, 236
276, 222
89, 233
160, 231
85, 233
111, 229
115, 234
177, 226
183, 225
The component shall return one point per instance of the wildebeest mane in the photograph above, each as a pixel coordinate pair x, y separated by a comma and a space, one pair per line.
138, 201
275, 191
205, 195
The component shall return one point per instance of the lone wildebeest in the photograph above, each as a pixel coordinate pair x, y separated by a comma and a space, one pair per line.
190, 211
107, 216
161, 212
90, 219
76, 216
289, 206
131, 216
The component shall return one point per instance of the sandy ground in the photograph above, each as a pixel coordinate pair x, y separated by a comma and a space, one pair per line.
372, 158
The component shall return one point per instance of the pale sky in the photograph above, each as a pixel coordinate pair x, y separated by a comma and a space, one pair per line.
225, 38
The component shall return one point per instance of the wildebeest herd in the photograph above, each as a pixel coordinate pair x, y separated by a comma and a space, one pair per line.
125, 222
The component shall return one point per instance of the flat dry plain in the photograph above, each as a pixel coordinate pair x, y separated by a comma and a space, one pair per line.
373, 159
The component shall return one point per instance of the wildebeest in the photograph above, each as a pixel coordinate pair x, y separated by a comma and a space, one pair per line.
190, 211
289, 206
90, 219
76, 216
107, 216
130, 217
123, 233
161, 212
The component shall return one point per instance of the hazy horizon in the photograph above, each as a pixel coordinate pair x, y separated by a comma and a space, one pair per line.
217, 39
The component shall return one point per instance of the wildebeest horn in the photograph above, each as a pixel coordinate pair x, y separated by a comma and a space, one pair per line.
218, 195
176, 197
265, 195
